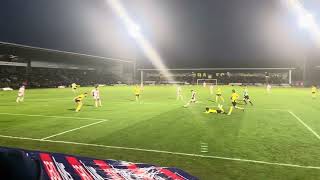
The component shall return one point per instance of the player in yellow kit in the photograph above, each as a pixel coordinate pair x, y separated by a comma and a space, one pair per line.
234, 99
79, 101
219, 95
313, 91
220, 110
137, 92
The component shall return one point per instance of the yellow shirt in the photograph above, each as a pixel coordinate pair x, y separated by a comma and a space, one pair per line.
137, 90
313, 89
234, 97
80, 97
218, 91
211, 111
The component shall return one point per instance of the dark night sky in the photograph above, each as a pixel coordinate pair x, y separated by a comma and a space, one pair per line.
187, 33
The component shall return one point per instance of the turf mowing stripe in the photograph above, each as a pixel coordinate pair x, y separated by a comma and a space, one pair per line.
62, 117
305, 125
64, 132
167, 152
263, 109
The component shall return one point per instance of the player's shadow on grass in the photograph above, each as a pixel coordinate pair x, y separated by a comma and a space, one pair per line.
72, 109
88, 105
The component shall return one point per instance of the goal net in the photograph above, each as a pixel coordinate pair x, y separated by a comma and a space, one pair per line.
207, 82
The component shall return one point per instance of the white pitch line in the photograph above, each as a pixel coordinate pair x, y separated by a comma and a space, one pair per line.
62, 117
167, 152
64, 132
266, 109
305, 125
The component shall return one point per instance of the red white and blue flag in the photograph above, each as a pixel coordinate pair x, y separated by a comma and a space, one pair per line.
57, 166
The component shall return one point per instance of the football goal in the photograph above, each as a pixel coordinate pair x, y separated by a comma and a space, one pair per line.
207, 81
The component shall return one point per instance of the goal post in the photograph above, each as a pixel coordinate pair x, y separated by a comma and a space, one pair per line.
207, 81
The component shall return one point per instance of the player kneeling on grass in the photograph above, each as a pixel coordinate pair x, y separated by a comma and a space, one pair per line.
234, 98
193, 98
246, 97
79, 101
21, 92
96, 96
220, 110
313, 91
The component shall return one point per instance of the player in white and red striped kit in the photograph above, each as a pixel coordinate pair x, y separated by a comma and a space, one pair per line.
21, 92
96, 96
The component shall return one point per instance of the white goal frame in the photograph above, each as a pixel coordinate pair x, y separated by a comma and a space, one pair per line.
207, 81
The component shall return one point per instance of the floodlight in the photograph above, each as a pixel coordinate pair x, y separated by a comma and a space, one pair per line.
144, 44
306, 21
134, 30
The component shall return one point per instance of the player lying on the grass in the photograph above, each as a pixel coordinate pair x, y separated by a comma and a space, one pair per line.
79, 101
96, 96
234, 99
219, 95
220, 110
193, 98
74, 87
137, 92
179, 93
314, 91
246, 97
21, 92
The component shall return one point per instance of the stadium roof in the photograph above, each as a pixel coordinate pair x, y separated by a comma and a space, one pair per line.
45, 54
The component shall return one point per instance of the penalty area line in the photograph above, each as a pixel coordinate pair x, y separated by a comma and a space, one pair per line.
62, 117
266, 109
74, 129
167, 152
304, 124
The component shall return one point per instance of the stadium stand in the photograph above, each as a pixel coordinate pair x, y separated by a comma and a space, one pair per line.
44, 77
223, 77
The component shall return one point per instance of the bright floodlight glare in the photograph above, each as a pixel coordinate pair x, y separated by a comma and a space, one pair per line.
305, 19
134, 30
145, 45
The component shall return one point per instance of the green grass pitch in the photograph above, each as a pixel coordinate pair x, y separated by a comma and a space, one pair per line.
266, 141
